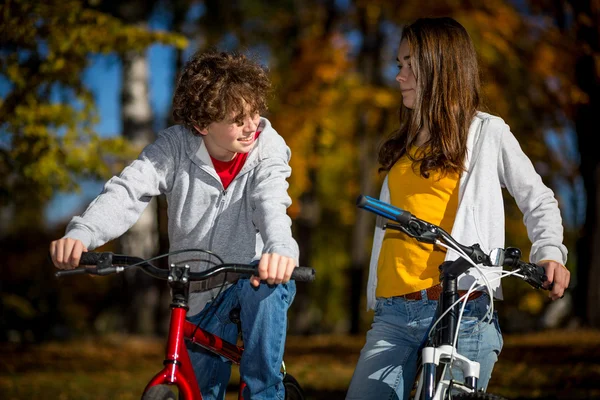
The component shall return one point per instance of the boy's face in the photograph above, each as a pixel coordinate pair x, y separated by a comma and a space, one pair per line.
224, 139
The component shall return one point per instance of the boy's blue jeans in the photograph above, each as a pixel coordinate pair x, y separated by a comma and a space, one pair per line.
263, 314
387, 364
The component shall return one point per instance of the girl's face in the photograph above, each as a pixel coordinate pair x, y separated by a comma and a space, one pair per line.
406, 77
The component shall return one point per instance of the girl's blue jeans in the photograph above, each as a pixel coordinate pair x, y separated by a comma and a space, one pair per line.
263, 314
387, 364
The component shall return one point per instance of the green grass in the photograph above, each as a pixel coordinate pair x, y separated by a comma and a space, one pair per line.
546, 365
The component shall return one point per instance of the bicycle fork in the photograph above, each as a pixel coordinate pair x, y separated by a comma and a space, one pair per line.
432, 357
177, 367
442, 350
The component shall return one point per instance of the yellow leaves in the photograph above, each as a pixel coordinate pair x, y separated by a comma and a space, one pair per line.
545, 62
531, 302
585, 20
323, 110
500, 17
68, 27
327, 72
384, 98
14, 73
46, 169
99, 18
13, 303
373, 12
495, 31
499, 47
578, 96
58, 64
327, 138
33, 113
53, 144
179, 41
354, 92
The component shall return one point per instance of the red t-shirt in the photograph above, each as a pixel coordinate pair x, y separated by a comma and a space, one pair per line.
227, 170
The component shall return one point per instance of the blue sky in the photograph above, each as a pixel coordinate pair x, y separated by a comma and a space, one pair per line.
104, 79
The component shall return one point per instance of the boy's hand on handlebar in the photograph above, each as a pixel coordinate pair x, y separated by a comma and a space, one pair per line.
558, 275
66, 253
274, 269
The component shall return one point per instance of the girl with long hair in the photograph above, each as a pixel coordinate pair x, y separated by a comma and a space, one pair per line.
448, 163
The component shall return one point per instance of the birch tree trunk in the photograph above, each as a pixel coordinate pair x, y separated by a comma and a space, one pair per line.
142, 239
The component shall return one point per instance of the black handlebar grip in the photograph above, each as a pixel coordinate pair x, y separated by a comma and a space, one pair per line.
67, 272
90, 258
543, 277
383, 209
303, 274
541, 271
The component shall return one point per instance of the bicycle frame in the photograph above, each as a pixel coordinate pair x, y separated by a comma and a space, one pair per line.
178, 370
442, 350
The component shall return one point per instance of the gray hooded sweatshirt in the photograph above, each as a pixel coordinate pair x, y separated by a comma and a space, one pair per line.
239, 224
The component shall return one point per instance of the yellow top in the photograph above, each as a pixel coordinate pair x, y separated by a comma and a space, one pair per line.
406, 265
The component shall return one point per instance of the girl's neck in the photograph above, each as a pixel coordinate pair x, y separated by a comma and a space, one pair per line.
423, 135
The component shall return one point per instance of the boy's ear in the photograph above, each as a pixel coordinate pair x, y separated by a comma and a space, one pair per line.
203, 131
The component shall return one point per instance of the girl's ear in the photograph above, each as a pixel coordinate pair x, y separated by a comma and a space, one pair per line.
203, 132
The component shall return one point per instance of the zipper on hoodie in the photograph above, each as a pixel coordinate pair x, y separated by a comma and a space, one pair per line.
222, 201
218, 214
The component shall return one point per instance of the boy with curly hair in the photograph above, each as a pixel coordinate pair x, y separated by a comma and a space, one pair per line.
224, 172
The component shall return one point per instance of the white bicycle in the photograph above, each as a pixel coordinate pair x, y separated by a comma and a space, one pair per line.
433, 383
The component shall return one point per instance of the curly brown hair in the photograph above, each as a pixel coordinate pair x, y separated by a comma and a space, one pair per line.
216, 85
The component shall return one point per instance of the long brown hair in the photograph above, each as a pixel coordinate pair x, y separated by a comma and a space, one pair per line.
444, 61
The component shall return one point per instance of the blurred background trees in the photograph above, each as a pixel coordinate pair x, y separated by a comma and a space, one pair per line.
333, 66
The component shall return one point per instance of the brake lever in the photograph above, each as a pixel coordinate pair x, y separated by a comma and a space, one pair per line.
400, 228
419, 230
534, 275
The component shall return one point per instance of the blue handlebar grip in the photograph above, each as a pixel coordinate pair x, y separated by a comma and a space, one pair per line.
383, 209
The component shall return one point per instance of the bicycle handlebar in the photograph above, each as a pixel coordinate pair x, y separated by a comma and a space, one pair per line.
106, 263
384, 209
426, 232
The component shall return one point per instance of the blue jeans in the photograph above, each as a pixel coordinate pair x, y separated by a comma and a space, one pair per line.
387, 365
263, 314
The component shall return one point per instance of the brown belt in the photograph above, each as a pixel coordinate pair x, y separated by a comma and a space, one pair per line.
434, 293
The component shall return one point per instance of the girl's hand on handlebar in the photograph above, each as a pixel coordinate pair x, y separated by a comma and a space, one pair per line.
66, 253
557, 274
274, 269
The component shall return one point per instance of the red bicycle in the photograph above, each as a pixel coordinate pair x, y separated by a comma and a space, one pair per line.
177, 370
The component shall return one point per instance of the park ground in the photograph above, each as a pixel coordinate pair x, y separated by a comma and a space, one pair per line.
544, 365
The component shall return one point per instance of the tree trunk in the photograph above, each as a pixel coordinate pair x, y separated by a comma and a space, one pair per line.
587, 295
362, 230
370, 68
304, 226
142, 238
